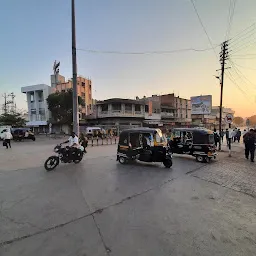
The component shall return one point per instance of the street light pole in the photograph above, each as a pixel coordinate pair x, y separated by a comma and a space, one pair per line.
74, 66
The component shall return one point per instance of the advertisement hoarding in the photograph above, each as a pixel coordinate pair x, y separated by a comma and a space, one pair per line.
201, 105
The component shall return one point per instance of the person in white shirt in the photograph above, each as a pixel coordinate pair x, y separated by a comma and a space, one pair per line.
7, 139
73, 143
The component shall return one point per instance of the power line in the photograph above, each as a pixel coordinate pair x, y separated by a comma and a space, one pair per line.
231, 15
241, 74
233, 81
242, 40
243, 47
198, 16
239, 35
146, 52
242, 55
245, 67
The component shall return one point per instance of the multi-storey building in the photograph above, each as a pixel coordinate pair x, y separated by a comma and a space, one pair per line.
211, 121
38, 113
84, 90
183, 110
155, 111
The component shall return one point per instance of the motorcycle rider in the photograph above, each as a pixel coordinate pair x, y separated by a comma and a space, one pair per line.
73, 144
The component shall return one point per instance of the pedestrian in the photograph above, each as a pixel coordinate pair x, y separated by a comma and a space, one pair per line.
249, 142
216, 137
227, 135
222, 135
233, 135
7, 139
83, 141
238, 135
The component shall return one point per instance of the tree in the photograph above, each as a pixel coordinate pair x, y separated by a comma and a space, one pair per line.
238, 120
61, 106
14, 119
252, 120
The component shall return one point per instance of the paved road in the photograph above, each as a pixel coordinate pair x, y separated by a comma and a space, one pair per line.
100, 207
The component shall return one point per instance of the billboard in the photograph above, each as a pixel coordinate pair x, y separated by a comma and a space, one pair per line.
201, 105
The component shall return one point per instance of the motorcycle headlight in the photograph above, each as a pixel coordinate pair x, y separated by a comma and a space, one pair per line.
56, 149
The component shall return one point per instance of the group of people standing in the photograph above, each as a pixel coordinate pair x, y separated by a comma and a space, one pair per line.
249, 139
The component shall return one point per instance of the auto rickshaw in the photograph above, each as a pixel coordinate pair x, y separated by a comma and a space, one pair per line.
198, 142
143, 144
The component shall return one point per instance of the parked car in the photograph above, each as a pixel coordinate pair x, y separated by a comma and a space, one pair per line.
20, 134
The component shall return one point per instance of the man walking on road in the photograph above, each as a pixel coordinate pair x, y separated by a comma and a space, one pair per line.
249, 142
7, 139
216, 137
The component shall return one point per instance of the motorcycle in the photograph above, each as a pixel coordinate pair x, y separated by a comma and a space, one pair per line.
63, 156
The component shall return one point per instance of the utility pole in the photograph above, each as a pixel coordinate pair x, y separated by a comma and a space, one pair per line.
223, 58
74, 65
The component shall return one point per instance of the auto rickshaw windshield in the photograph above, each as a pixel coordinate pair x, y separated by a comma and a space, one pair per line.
160, 137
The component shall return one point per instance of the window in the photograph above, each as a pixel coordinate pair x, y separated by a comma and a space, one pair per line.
33, 111
158, 138
123, 139
32, 97
116, 107
104, 107
128, 107
83, 84
137, 108
146, 108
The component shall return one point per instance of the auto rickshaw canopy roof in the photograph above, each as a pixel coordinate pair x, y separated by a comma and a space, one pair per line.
197, 130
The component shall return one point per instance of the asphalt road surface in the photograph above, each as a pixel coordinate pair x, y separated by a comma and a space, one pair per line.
99, 207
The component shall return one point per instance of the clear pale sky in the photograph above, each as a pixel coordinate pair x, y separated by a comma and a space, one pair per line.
36, 32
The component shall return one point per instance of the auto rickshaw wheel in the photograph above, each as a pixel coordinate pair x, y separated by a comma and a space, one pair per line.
199, 158
167, 163
207, 159
122, 160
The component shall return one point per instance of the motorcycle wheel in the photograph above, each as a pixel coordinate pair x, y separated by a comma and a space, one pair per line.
167, 163
51, 163
79, 158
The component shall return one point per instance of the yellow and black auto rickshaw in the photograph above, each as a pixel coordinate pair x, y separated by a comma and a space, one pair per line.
143, 144
198, 142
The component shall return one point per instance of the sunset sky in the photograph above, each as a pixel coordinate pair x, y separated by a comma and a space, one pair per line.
35, 33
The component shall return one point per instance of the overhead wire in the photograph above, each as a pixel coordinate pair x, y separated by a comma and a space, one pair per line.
232, 5
236, 40
241, 32
145, 52
239, 73
205, 31
241, 41
231, 78
243, 47
245, 67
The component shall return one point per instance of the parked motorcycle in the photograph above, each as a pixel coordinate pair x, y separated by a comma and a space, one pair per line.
63, 156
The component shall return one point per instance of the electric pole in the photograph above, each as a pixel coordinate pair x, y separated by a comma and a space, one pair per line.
74, 65
223, 58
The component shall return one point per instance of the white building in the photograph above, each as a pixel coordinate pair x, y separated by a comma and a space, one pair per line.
38, 113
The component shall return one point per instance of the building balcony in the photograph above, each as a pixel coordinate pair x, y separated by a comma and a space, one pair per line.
120, 113
167, 115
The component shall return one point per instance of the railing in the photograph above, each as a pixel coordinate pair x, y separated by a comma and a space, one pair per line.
120, 113
167, 114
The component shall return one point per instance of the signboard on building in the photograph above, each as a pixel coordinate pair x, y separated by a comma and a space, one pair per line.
201, 105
